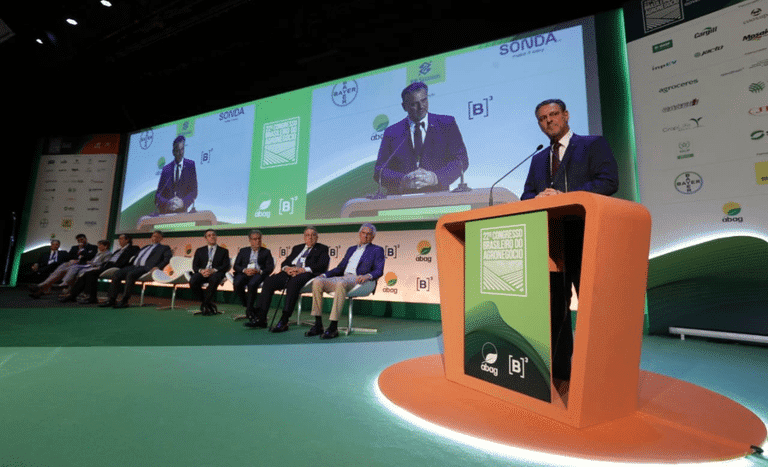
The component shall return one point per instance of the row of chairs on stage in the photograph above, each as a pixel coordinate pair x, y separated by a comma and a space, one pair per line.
181, 272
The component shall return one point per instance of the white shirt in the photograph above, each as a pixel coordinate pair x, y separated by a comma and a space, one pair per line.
354, 260
564, 141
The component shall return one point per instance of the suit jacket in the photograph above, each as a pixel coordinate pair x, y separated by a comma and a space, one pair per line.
159, 258
317, 259
588, 165
125, 257
372, 262
186, 188
263, 259
220, 259
89, 251
42, 260
444, 153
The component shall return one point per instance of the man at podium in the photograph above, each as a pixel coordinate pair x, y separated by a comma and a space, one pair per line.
177, 187
571, 163
424, 152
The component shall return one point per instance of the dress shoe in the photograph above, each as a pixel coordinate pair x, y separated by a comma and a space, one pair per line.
282, 326
330, 334
256, 323
314, 331
87, 301
107, 304
67, 298
121, 304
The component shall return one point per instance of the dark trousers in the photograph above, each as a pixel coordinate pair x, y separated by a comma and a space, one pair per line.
252, 283
43, 272
560, 296
196, 285
280, 281
130, 274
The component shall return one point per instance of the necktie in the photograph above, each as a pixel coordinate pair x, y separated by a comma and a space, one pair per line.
53, 258
418, 144
555, 158
210, 257
302, 258
144, 254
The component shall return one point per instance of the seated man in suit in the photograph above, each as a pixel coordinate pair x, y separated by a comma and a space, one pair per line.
362, 263
253, 264
571, 163
423, 152
78, 256
209, 266
151, 257
88, 281
48, 262
177, 187
306, 261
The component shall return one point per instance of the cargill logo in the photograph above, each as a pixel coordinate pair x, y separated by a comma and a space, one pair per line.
707, 31
757, 87
662, 46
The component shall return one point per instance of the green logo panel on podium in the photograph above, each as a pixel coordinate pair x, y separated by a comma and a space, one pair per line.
507, 332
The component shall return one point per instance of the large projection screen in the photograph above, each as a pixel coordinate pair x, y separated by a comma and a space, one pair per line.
308, 156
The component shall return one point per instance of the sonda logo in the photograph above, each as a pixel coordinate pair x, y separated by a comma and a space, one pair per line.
731, 210
424, 248
390, 279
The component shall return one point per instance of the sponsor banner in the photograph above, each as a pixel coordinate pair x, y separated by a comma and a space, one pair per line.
507, 333
701, 115
72, 195
410, 271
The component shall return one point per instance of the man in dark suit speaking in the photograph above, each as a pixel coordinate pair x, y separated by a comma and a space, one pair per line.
151, 257
362, 263
423, 152
570, 163
209, 266
306, 261
253, 264
177, 188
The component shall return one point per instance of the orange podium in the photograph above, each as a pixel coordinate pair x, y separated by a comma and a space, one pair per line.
609, 409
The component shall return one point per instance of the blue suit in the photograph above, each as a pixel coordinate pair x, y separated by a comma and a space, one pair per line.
372, 262
588, 165
443, 153
185, 188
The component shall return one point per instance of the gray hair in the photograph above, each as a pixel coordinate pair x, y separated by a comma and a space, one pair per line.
370, 226
255, 232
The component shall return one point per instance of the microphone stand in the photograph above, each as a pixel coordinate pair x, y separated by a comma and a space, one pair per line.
490, 198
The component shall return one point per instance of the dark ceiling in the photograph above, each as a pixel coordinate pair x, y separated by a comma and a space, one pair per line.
143, 62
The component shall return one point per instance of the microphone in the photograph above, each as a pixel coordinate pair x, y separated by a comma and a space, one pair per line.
463, 187
490, 198
379, 194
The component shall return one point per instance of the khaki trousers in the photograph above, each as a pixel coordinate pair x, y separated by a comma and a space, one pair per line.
339, 286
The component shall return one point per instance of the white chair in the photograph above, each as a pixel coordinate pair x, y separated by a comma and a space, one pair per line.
180, 266
359, 290
304, 290
144, 279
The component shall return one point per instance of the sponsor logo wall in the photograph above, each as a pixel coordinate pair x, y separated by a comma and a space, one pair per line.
701, 118
410, 272
72, 195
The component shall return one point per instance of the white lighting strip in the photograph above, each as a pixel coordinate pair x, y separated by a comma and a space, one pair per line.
682, 244
520, 454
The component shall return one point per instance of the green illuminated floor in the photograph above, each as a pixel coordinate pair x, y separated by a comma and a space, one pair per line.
96, 387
